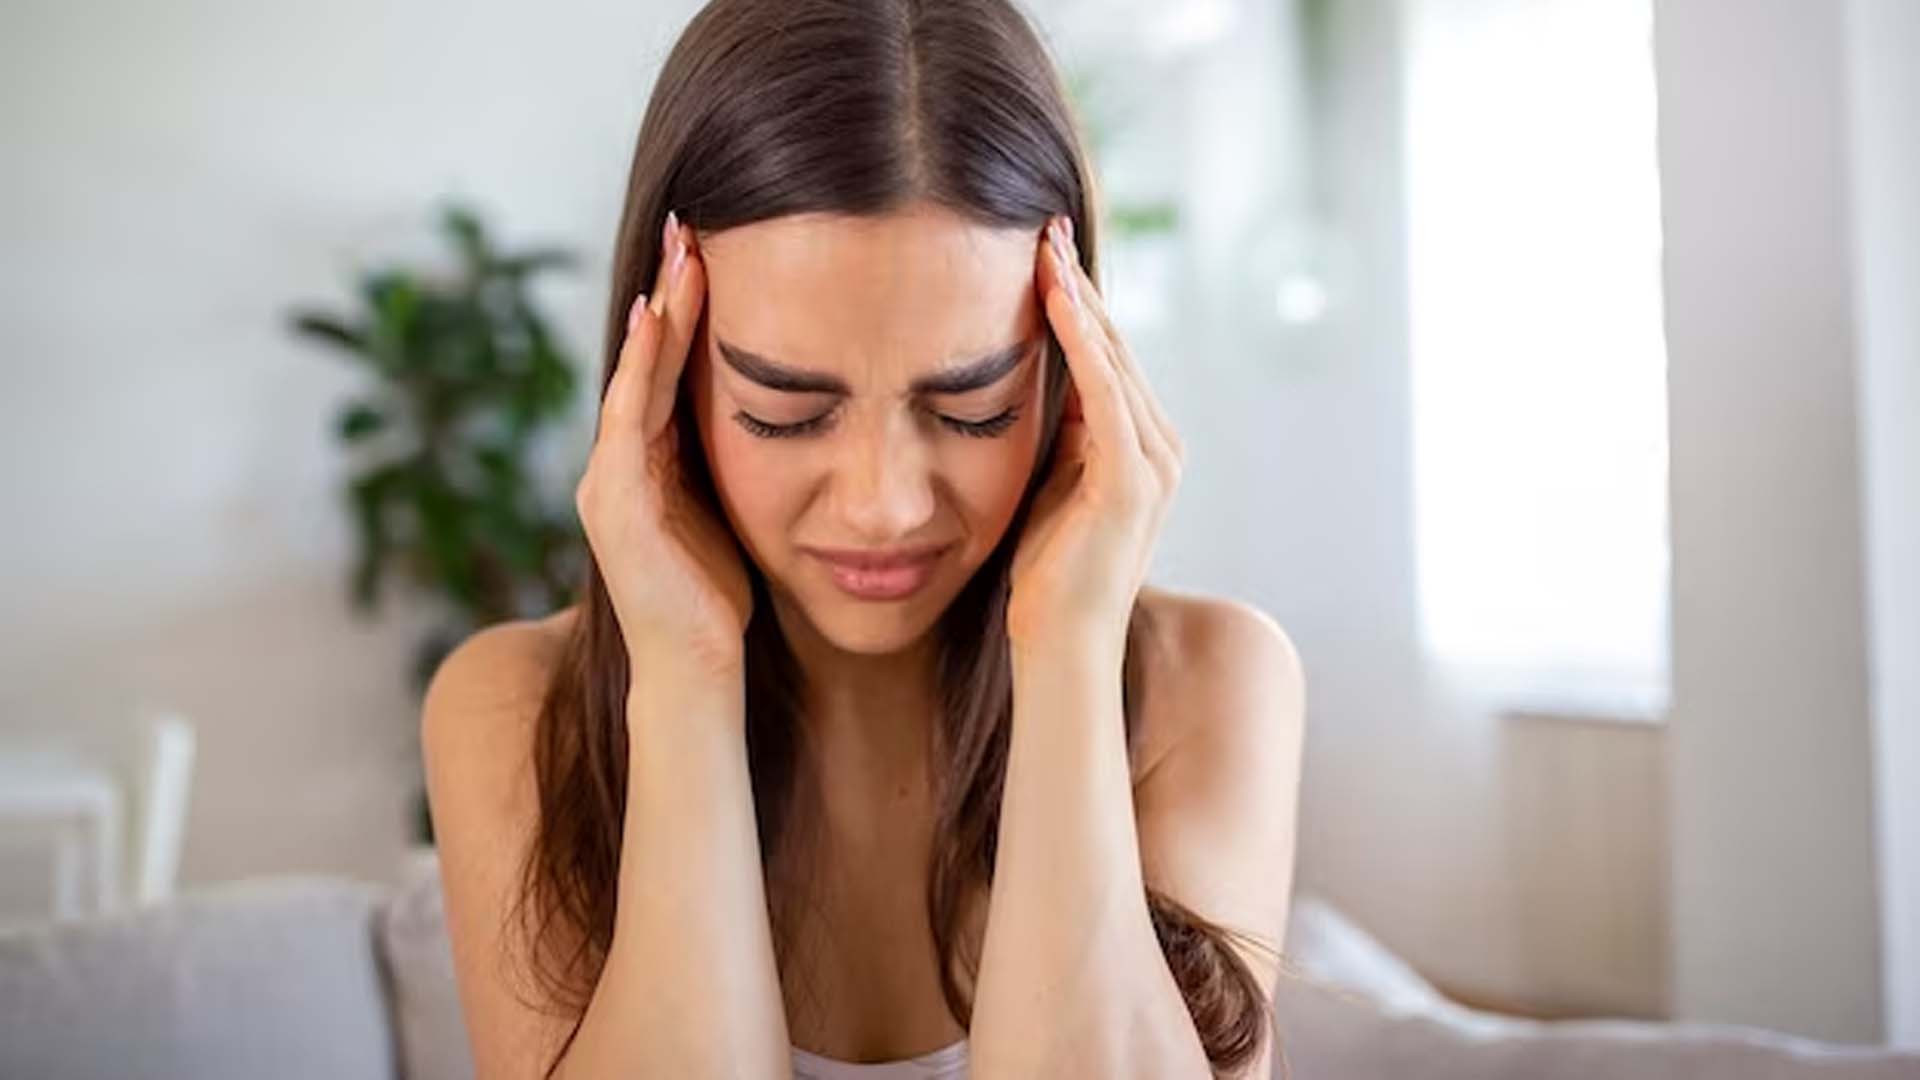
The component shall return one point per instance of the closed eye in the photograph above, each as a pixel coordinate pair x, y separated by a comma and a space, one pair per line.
979, 429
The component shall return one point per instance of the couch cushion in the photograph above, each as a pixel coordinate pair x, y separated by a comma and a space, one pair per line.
426, 1010
1334, 950
1361, 1013
263, 977
1331, 1032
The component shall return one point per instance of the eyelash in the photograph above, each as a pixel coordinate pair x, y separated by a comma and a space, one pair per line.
978, 429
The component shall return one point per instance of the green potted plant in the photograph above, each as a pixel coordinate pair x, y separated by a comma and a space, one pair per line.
464, 373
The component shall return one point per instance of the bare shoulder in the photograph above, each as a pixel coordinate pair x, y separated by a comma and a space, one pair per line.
486, 692
1217, 814
503, 655
476, 728
1220, 661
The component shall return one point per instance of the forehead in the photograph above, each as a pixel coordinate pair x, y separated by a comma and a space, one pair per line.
894, 295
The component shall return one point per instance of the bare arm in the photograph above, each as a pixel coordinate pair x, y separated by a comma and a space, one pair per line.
689, 988
1073, 982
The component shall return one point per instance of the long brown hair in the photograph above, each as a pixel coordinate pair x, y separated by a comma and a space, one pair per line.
772, 107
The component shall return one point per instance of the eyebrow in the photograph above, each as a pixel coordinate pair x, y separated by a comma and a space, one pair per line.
974, 374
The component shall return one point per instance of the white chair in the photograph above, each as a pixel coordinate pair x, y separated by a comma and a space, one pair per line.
74, 806
84, 802
162, 787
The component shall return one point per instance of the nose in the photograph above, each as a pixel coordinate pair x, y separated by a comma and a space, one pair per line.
884, 489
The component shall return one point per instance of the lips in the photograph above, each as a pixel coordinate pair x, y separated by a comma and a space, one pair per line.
884, 575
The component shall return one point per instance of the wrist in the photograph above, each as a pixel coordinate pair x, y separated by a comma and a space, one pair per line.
1070, 657
681, 662
661, 687
1067, 644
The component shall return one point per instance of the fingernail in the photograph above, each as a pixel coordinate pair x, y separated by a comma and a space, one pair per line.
633, 313
669, 241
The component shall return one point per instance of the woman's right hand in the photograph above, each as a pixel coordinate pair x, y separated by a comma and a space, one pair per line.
672, 569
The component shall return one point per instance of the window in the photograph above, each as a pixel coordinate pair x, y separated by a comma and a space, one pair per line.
1539, 396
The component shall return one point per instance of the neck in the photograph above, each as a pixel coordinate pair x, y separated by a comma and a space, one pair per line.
868, 716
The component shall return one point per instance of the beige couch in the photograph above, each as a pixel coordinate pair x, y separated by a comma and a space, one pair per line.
320, 977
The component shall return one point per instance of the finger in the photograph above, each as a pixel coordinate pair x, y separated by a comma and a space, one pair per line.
1152, 440
639, 353
626, 396
1103, 402
1159, 449
678, 305
1163, 439
1125, 355
1169, 438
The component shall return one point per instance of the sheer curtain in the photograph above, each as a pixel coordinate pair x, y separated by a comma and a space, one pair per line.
1538, 362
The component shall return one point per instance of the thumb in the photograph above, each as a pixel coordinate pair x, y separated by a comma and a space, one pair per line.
1070, 442
1070, 410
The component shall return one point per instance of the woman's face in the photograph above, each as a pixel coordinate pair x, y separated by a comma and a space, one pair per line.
869, 385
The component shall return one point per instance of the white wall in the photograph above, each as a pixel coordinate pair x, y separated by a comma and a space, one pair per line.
178, 176
1775, 916
1884, 40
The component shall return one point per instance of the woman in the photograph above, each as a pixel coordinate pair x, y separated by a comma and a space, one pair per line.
864, 642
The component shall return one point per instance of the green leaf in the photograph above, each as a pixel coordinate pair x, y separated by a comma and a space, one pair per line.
366, 495
469, 238
359, 420
395, 298
1142, 218
326, 328
469, 371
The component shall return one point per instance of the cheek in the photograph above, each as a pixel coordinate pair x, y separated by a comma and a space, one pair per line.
749, 479
749, 490
989, 478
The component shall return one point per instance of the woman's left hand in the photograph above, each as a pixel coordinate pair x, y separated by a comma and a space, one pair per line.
1090, 533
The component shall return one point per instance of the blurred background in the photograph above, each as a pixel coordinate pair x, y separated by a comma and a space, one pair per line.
1550, 369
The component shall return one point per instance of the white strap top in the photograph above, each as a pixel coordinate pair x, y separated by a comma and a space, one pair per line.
947, 1063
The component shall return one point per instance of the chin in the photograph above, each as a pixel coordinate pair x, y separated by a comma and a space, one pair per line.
874, 628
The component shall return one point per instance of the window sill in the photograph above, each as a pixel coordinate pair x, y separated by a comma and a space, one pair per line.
1632, 710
